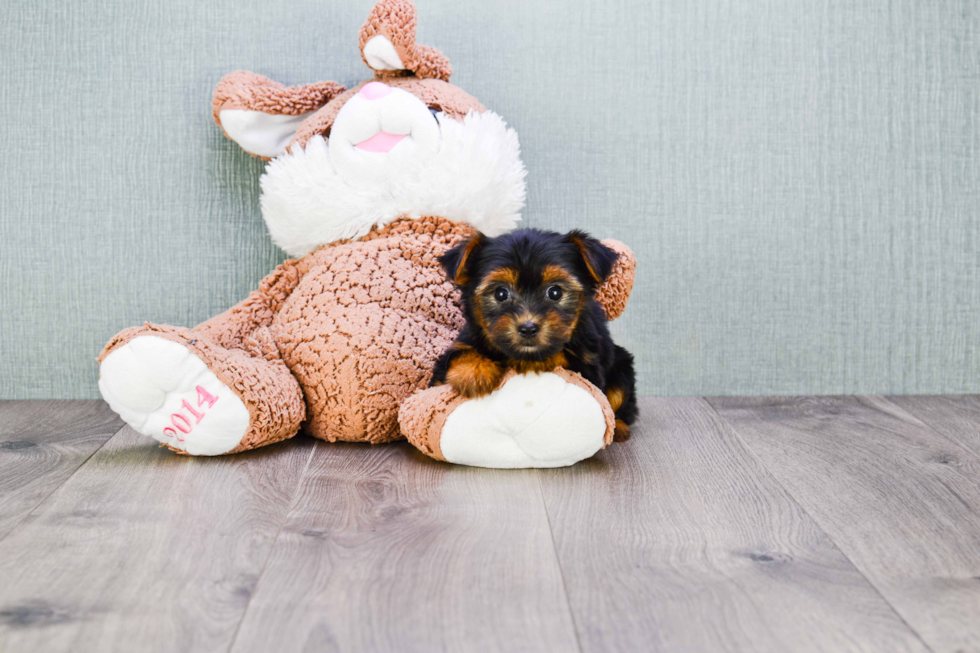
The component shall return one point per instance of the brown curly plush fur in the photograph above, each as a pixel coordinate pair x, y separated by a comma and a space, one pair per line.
336, 340
396, 21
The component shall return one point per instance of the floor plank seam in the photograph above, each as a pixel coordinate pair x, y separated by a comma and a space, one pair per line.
561, 571
823, 530
922, 420
272, 548
62, 484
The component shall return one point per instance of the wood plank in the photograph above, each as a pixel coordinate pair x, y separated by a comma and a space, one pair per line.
41, 444
902, 502
955, 416
387, 550
144, 550
679, 540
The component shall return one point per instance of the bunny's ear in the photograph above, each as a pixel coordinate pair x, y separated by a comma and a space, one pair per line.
387, 42
262, 115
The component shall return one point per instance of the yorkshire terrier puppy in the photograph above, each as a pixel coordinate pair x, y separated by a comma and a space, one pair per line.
529, 302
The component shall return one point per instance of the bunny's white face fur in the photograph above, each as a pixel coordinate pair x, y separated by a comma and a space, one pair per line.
467, 171
382, 135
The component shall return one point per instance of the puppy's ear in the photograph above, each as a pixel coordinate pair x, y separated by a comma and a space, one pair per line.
598, 258
455, 261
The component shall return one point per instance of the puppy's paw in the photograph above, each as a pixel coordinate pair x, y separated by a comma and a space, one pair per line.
472, 375
621, 432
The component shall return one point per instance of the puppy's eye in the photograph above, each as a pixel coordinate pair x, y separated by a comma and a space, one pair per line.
554, 293
501, 294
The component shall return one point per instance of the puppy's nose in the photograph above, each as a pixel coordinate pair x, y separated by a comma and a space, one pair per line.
375, 91
528, 330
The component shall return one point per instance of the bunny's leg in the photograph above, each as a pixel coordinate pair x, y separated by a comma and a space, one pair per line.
181, 388
218, 388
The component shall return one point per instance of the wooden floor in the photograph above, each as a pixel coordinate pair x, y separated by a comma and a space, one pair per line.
777, 524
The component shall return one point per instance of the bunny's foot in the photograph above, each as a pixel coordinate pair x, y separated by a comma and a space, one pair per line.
553, 419
196, 397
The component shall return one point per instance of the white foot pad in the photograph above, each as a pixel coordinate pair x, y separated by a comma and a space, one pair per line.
536, 420
164, 391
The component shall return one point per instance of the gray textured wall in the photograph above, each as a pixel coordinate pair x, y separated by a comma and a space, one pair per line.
800, 180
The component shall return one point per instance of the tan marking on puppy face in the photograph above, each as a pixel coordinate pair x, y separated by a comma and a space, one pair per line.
472, 375
505, 276
554, 326
480, 302
553, 274
484, 302
554, 329
504, 326
573, 290
556, 320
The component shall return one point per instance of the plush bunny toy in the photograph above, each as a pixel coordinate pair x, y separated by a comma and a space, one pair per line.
367, 187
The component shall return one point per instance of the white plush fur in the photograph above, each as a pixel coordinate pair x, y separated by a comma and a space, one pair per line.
258, 133
380, 54
476, 176
146, 382
535, 420
397, 113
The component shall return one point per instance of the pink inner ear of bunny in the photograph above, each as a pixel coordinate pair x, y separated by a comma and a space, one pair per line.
396, 21
615, 290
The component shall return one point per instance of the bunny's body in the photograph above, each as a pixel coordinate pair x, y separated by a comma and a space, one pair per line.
367, 187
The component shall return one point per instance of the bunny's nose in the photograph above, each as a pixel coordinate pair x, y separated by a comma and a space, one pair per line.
375, 91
